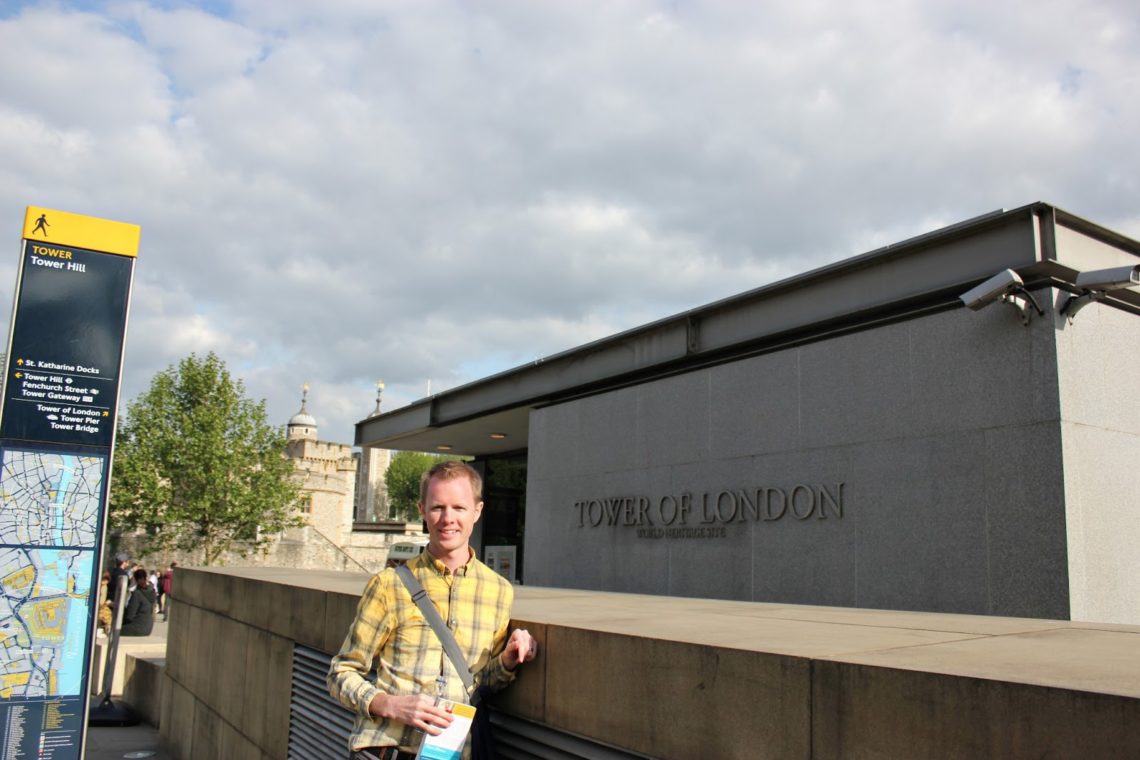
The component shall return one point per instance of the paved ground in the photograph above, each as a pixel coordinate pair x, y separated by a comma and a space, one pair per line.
139, 741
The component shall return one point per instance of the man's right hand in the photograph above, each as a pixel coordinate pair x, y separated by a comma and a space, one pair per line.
416, 710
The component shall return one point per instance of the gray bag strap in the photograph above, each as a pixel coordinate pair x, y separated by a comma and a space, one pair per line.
431, 614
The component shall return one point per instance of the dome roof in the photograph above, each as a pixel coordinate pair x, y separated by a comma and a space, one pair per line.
303, 418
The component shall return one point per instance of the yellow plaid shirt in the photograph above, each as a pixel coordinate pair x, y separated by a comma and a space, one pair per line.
390, 631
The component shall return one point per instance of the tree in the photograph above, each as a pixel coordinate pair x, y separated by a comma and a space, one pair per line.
402, 479
198, 466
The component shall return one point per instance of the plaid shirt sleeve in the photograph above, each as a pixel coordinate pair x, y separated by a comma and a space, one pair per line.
494, 675
348, 674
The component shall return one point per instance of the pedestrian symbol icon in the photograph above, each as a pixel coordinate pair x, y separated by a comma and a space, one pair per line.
41, 225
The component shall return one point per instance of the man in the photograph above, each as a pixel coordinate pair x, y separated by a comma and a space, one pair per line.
413, 672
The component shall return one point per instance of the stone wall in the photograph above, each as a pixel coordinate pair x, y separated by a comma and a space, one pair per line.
299, 548
327, 474
915, 466
1100, 434
230, 652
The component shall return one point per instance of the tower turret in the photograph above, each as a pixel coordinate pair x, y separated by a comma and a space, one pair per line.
302, 426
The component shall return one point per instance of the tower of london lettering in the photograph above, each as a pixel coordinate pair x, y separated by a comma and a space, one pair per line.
726, 506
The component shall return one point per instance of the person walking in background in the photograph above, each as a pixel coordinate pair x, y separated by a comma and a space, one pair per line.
167, 583
152, 581
160, 589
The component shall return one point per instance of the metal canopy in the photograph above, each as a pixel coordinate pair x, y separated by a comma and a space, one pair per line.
1045, 245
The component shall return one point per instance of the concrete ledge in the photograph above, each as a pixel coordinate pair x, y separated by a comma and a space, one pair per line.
136, 646
693, 677
142, 686
873, 712
673, 677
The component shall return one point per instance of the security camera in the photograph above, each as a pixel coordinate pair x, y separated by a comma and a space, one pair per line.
1007, 287
1094, 285
994, 289
1113, 278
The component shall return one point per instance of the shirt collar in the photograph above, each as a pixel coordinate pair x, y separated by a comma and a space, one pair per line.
437, 565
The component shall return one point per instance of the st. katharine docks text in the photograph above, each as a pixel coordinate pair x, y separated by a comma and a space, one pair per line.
705, 514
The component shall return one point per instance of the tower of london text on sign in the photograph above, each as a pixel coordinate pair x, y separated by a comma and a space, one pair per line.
706, 514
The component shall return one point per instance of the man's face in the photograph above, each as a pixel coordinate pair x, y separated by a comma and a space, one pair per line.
450, 513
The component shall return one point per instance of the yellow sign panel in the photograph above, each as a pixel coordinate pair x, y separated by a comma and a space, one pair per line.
92, 233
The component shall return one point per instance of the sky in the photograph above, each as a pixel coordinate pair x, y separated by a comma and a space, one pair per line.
426, 193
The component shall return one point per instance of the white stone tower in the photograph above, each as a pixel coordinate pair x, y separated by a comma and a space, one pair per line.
327, 474
371, 492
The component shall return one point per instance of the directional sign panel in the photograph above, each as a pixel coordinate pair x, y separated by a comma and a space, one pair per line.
67, 343
57, 430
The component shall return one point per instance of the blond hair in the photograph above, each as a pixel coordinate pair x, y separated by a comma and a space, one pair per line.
449, 470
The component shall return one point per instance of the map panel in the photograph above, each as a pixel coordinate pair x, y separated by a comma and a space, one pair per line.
45, 597
49, 498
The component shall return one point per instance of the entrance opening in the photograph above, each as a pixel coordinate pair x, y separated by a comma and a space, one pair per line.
504, 513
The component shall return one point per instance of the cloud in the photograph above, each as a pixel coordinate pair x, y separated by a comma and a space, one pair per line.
334, 193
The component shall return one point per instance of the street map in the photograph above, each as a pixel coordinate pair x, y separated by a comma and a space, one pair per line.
50, 499
50, 505
44, 603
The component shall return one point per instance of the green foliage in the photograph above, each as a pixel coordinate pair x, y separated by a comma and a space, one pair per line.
403, 481
198, 466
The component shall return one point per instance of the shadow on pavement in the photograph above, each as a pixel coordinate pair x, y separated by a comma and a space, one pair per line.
139, 741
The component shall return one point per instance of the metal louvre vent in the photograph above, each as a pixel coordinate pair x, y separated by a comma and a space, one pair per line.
319, 725
518, 739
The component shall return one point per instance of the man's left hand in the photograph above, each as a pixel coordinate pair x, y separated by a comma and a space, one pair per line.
521, 647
